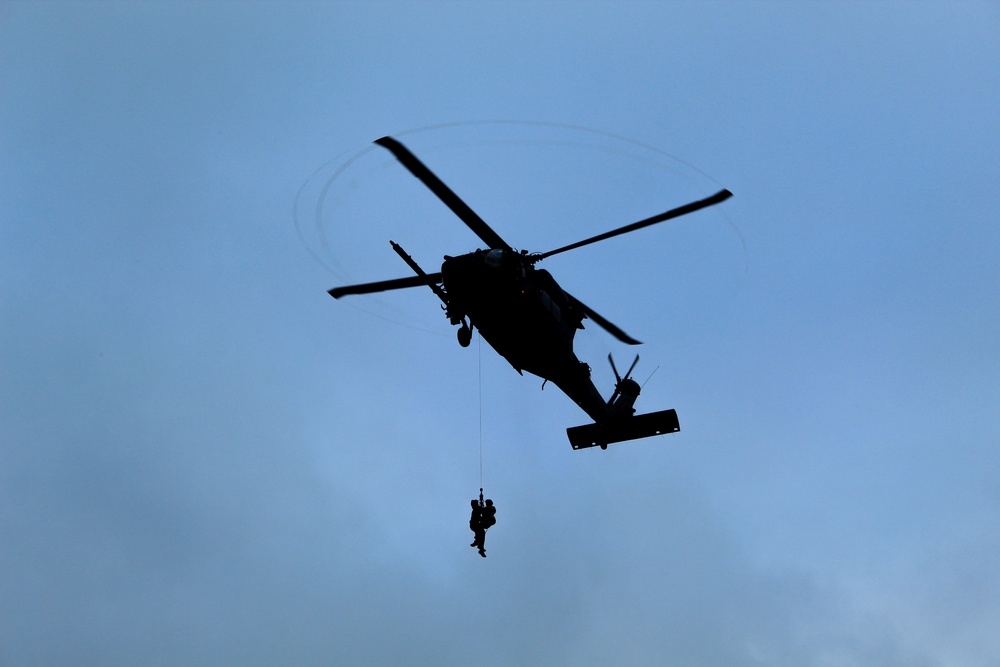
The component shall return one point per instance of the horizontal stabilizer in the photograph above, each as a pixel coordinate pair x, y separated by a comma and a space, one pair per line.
631, 428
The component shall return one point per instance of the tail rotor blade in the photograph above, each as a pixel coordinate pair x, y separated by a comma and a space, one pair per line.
632, 367
618, 378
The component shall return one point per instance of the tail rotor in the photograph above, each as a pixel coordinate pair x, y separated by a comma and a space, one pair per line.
626, 391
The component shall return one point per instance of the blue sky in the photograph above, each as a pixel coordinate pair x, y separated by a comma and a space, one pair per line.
206, 460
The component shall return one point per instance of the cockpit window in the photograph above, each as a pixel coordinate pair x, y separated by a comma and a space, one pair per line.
494, 257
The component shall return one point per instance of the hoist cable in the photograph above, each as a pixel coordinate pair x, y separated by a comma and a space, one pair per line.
480, 348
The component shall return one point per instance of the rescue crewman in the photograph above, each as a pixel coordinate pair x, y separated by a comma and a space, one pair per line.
476, 526
489, 519
483, 516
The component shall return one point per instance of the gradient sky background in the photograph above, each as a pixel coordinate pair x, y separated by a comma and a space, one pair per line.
205, 460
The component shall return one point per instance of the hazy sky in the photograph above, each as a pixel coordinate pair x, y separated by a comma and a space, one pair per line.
205, 460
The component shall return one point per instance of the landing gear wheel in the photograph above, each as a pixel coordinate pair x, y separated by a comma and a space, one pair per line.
464, 336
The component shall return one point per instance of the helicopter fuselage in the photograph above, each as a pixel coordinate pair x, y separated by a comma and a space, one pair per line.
525, 316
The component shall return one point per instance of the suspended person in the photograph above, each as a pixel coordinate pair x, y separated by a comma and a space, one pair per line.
483, 516
489, 518
476, 525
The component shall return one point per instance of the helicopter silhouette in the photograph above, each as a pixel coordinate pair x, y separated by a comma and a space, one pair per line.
525, 315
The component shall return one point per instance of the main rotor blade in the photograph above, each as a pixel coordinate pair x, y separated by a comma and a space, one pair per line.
385, 285
719, 196
444, 193
601, 322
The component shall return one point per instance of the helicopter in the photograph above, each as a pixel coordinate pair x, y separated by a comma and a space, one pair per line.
523, 313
